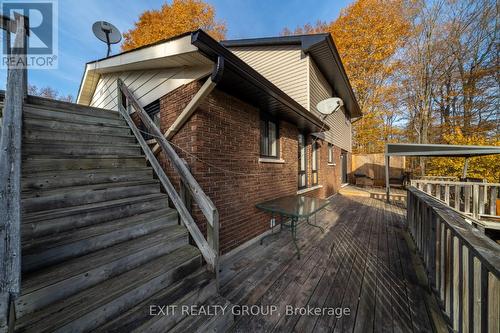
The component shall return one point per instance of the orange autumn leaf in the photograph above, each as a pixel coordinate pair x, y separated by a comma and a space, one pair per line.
368, 34
171, 20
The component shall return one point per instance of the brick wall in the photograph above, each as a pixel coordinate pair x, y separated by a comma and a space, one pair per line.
224, 136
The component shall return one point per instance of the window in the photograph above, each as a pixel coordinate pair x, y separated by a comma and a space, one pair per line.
123, 100
314, 164
269, 136
302, 162
153, 111
330, 153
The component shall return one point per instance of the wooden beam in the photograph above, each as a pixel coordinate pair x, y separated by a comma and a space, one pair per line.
188, 111
193, 104
10, 169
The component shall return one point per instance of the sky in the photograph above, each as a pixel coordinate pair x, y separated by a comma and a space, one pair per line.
244, 19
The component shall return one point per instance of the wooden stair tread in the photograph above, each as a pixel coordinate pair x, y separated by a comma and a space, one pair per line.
79, 157
65, 270
63, 163
45, 215
44, 179
77, 143
72, 173
67, 314
62, 115
59, 281
70, 236
38, 193
33, 119
65, 135
56, 105
139, 315
50, 199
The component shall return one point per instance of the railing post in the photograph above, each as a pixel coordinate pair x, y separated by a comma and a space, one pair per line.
457, 197
184, 191
481, 200
213, 242
467, 196
493, 200
475, 201
10, 173
447, 194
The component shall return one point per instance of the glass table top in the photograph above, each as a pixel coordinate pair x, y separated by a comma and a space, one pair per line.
299, 206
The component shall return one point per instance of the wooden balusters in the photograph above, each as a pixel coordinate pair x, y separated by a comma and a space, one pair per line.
462, 265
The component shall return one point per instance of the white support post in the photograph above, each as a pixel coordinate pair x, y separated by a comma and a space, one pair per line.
466, 165
387, 185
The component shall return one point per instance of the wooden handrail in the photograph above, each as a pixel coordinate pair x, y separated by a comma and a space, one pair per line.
210, 247
10, 172
462, 264
446, 182
475, 199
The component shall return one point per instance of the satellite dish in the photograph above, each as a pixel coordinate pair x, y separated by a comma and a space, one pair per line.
107, 33
329, 105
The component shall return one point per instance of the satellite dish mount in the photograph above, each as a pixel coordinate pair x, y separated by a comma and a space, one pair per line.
108, 33
328, 106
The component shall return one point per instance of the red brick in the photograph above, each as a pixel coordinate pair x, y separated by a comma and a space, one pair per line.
224, 133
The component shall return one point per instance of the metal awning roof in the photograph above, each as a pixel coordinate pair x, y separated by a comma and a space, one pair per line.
416, 149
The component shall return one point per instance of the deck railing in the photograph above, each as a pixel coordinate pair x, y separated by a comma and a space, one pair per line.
475, 199
462, 263
209, 247
10, 168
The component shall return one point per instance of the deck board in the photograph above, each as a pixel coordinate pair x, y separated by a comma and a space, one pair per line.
361, 261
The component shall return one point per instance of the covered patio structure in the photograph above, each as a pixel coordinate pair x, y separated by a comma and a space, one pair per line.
433, 150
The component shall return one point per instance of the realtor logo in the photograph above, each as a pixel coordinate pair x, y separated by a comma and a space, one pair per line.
43, 40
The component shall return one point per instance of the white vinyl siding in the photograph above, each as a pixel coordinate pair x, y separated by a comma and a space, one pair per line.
146, 85
297, 75
340, 133
283, 65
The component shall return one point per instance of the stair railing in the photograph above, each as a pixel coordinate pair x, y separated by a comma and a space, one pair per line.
10, 168
209, 247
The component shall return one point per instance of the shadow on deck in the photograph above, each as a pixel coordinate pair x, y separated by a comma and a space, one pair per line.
361, 263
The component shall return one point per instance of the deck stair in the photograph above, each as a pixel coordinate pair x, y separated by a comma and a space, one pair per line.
100, 243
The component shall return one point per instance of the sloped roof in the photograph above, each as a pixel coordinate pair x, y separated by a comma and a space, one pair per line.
234, 75
323, 51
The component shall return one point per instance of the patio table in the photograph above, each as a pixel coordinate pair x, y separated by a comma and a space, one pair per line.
293, 208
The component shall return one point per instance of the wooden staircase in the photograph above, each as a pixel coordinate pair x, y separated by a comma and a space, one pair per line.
100, 243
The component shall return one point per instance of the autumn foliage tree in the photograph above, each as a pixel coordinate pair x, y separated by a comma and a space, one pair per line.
368, 34
484, 167
173, 19
423, 72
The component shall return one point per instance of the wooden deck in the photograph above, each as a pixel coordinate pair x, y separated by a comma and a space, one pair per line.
361, 262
